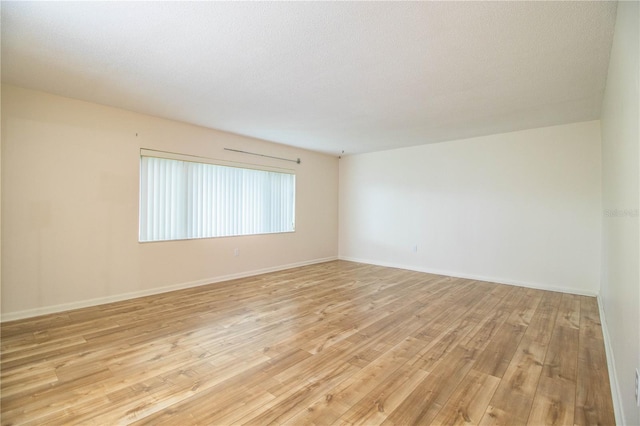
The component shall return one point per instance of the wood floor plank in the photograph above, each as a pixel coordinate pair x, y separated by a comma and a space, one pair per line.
498, 352
520, 380
593, 405
328, 408
562, 354
375, 407
338, 343
426, 401
569, 312
288, 404
469, 401
554, 402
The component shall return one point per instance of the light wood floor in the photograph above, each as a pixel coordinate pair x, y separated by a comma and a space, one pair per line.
335, 343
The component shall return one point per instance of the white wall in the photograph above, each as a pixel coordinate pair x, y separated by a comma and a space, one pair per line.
620, 292
521, 207
70, 176
0, 200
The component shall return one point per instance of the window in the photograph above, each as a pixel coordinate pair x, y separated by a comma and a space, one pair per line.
183, 197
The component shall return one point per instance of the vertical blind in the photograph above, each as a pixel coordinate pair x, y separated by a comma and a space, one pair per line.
186, 199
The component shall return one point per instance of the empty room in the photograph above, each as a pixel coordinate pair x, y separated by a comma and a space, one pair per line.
320, 213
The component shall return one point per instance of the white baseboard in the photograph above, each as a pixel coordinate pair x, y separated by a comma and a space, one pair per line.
28, 313
538, 286
611, 366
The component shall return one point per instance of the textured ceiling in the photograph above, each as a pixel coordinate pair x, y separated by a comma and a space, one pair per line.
352, 76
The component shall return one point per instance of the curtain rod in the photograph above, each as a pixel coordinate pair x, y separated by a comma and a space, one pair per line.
297, 160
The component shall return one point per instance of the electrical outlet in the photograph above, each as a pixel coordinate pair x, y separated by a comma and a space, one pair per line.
637, 388
236, 252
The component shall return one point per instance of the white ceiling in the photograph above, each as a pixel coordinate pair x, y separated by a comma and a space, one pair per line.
352, 76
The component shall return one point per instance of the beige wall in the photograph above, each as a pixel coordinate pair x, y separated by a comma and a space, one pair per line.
521, 208
620, 293
70, 176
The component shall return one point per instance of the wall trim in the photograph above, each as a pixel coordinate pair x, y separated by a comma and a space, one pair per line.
538, 286
611, 366
28, 313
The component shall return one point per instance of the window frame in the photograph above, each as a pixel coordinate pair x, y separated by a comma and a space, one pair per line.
146, 152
